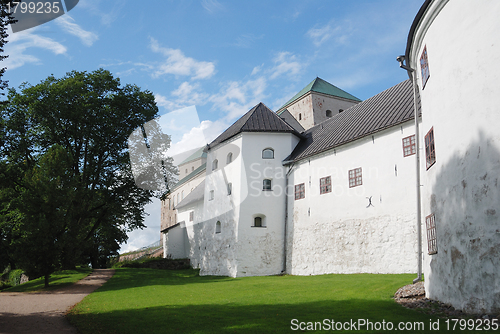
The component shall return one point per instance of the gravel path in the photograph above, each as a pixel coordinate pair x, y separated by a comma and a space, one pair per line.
43, 312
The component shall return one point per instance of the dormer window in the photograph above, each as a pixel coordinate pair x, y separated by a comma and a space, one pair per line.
268, 153
215, 163
229, 158
328, 113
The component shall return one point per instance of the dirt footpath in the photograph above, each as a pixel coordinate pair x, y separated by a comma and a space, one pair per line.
43, 312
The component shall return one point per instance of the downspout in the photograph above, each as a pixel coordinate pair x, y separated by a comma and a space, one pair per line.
286, 218
413, 76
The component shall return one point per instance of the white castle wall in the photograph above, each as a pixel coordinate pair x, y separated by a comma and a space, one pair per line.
461, 102
339, 232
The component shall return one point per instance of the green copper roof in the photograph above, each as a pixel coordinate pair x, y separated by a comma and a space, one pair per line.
320, 86
196, 155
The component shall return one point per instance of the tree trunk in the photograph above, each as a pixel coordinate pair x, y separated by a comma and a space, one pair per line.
47, 280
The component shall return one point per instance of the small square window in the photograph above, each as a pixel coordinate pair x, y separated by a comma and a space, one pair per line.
424, 67
325, 185
191, 216
268, 153
431, 234
266, 184
355, 177
409, 146
212, 195
300, 191
430, 152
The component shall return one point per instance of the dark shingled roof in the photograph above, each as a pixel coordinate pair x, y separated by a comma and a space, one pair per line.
389, 108
259, 119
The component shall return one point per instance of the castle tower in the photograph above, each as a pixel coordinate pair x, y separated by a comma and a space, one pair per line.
317, 102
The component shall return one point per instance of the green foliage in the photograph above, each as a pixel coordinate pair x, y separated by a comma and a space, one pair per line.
57, 280
180, 301
67, 193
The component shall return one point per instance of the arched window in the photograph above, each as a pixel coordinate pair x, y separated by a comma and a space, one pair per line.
328, 113
229, 158
215, 163
217, 227
268, 153
257, 222
266, 184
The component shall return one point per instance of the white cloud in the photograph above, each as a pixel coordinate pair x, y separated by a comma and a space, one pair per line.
20, 42
140, 238
236, 98
340, 33
285, 63
180, 65
197, 136
212, 6
68, 24
185, 95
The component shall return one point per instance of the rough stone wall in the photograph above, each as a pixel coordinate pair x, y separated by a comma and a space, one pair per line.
321, 103
348, 246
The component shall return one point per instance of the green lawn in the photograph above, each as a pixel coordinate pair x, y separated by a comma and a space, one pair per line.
162, 301
56, 280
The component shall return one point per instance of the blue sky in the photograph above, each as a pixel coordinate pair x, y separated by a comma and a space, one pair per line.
223, 57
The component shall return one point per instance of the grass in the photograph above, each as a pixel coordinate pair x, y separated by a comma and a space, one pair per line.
164, 301
56, 281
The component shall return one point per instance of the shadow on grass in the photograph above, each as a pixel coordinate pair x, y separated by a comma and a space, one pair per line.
262, 318
141, 277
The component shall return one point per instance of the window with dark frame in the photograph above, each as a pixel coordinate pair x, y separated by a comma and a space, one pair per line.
300, 191
191, 216
431, 234
266, 184
325, 185
328, 113
218, 227
268, 153
430, 151
257, 222
355, 177
408, 146
424, 67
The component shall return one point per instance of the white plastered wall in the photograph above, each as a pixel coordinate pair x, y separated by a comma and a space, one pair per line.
340, 232
461, 103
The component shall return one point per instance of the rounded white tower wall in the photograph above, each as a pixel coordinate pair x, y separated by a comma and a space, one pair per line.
461, 105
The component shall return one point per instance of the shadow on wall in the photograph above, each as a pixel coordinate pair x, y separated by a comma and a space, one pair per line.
466, 202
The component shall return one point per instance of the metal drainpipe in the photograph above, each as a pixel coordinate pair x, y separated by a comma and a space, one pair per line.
413, 76
286, 219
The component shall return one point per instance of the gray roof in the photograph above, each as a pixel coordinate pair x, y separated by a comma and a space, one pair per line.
194, 196
190, 175
389, 108
288, 117
259, 119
